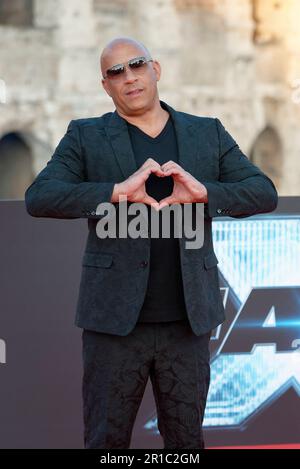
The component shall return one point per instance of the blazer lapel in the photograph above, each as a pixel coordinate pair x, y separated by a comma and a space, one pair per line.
187, 139
118, 135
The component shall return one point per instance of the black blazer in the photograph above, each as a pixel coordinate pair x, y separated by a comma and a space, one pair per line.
96, 153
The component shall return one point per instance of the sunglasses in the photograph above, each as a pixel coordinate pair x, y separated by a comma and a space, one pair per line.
133, 64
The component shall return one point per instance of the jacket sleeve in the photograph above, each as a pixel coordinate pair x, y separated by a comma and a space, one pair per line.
60, 189
242, 189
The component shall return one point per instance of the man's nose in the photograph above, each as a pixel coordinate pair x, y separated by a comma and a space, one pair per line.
129, 75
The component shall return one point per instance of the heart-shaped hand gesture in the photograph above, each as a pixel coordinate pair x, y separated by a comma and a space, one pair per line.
134, 187
186, 188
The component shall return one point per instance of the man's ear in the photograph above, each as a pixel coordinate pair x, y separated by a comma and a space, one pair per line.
157, 69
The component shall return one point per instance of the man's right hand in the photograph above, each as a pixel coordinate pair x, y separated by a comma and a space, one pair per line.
134, 187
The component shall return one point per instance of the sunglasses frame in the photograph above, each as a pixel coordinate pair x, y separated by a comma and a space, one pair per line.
126, 64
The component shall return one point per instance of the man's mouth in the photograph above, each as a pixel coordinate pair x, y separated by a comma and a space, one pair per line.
135, 92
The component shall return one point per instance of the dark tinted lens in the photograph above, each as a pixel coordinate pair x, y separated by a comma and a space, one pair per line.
136, 63
114, 71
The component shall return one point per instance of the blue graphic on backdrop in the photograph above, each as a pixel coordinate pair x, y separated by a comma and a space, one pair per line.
256, 351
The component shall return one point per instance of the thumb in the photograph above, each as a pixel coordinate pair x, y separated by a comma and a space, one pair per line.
167, 201
151, 201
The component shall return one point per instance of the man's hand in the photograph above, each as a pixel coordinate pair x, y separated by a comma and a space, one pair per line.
186, 188
134, 186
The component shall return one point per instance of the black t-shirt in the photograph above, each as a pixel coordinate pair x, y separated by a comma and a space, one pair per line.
164, 299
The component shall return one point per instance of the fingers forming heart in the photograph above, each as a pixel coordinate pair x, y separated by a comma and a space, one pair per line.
167, 169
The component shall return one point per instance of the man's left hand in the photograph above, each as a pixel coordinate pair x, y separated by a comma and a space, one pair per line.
186, 188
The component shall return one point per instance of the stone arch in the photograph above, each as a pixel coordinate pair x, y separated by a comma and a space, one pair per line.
16, 166
267, 154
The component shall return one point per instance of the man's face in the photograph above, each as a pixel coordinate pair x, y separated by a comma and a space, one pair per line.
143, 79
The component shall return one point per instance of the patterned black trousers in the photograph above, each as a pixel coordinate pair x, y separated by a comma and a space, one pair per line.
115, 373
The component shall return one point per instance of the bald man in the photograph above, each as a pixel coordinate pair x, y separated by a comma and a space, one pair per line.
146, 305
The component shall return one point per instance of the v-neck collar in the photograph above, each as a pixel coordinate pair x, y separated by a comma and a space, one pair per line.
138, 131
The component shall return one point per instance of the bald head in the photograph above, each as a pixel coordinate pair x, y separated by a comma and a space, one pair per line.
114, 46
